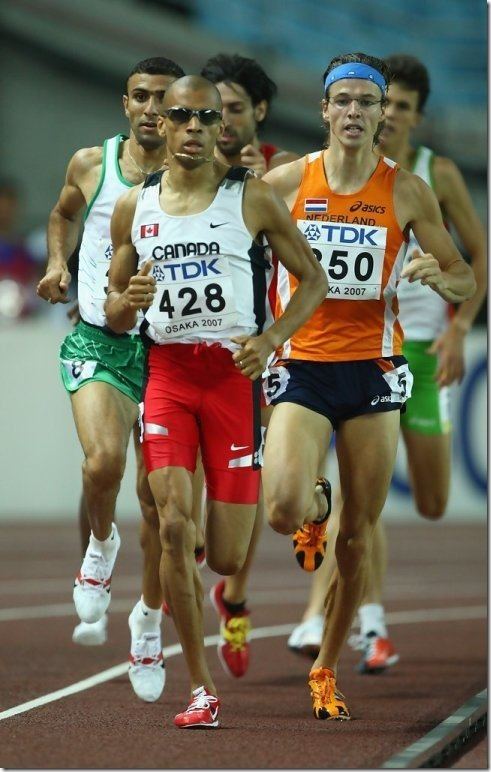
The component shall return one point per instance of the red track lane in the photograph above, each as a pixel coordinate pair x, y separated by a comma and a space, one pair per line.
266, 717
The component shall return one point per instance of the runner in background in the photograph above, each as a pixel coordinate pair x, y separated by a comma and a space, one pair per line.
434, 338
247, 93
103, 372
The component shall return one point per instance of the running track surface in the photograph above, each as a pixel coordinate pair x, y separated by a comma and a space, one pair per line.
266, 716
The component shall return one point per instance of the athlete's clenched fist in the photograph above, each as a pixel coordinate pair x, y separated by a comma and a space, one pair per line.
141, 289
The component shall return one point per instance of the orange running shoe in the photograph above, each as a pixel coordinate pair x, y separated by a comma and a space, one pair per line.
327, 701
379, 654
309, 542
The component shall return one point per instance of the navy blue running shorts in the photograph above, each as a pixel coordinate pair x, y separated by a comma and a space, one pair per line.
341, 390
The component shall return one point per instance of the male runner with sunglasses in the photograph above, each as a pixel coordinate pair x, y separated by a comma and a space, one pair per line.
188, 251
343, 370
247, 93
103, 372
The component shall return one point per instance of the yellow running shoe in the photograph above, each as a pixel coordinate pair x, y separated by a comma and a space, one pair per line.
327, 700
309, 542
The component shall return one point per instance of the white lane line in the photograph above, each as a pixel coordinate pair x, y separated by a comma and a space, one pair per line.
394, 618
119, 670
122, 605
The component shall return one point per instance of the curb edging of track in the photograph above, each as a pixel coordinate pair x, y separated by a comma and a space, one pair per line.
445, 740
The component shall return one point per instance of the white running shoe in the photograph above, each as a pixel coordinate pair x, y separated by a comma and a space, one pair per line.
92, 590
147, 666
93, 634
306, 637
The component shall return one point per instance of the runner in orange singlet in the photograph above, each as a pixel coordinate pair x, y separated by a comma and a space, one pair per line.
343, 370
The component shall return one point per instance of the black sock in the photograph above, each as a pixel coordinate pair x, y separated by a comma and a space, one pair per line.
234, 608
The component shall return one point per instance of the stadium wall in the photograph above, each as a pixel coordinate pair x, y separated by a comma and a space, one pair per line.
41, 458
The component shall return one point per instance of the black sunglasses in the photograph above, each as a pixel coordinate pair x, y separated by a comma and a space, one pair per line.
184, 115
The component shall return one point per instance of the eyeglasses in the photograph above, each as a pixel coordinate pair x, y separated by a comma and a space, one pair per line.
342, 102
184, 115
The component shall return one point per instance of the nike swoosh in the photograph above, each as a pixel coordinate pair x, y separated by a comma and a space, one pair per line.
217, 224
238, 447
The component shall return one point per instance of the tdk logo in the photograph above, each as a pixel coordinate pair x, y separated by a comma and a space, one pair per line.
312, 232
109, 252
348, 234
178, 251
186, 271
367, 207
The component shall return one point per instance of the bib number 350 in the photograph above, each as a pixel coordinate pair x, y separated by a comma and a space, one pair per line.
352, 256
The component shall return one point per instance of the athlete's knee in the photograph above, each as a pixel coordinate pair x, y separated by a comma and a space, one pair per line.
432, 507
104, 468
353, 550
175, 532
225, 563
285, 513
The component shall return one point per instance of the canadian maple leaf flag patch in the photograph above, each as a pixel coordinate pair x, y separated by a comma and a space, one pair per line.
147, 231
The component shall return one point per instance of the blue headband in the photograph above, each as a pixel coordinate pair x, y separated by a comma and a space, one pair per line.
356, 70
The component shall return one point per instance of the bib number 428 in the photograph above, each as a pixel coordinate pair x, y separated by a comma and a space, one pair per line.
213, 300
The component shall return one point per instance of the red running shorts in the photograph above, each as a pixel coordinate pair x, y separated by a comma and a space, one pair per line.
196, 397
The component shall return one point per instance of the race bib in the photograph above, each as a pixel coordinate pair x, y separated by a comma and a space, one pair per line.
193, 296
351, 255
400, 381
77, 371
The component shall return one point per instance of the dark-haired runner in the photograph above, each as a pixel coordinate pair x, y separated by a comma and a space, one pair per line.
103, 372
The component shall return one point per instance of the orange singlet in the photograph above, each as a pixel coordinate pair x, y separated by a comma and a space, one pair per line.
361, 247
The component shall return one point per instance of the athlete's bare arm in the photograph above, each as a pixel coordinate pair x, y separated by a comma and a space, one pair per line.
441, 267
457, 206
286, 179
128, 290
265, 213
82, 176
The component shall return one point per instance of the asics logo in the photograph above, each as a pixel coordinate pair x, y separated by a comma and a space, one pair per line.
238, 447
217, 224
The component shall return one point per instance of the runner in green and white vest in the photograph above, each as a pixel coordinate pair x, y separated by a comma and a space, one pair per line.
103, 372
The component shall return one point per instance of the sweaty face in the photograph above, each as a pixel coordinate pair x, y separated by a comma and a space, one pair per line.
401, 114
239, 118
191, 142
143, 105
353, 111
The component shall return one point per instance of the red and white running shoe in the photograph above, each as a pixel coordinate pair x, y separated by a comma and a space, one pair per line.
201, 713
379, 654
233, 647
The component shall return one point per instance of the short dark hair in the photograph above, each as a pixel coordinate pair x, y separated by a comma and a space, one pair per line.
359, 57
410, 73
156, 65
232, 68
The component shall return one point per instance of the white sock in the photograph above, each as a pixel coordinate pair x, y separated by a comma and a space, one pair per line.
151, 614
146, 620
372, 619
107, 546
